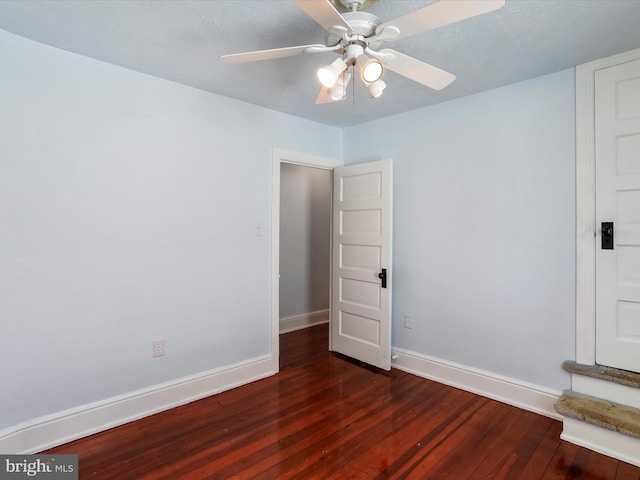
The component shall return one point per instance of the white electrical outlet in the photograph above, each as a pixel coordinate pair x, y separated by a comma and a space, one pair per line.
408, 321
158, 348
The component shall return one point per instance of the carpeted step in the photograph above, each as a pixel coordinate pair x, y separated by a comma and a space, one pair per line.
610, 374
599, 412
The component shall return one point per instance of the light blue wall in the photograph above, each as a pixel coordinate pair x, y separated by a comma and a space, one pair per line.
127, 212
484, 223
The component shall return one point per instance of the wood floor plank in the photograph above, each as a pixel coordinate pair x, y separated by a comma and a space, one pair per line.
626, 471
401, 433
600, 466
442, 441
548, 443
470, 460
360, 397
561, 465
393, 432
434, 426
328, 417
523, 450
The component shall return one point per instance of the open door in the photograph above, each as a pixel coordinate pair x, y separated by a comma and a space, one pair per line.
617, 158
361, 273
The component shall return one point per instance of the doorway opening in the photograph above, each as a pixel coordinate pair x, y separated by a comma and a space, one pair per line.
291, 160
305, 246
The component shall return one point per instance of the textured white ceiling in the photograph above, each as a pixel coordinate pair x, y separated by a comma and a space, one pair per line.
182, 40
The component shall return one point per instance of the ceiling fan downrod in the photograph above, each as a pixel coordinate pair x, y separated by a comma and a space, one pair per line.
353, 5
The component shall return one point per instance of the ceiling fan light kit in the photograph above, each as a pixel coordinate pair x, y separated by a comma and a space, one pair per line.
339, 90
328, 75
371, 71
356, 36
376, 88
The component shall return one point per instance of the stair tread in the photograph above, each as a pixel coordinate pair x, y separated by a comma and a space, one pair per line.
600, 412
610, 374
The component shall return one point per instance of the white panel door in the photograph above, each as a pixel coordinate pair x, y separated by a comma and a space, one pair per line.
617, 147
360, 306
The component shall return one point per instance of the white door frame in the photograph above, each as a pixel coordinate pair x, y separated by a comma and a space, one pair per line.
585, 204
285, 156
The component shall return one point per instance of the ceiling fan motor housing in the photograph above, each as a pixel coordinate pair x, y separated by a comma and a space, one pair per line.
362, 24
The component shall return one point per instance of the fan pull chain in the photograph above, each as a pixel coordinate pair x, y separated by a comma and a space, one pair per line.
353, 85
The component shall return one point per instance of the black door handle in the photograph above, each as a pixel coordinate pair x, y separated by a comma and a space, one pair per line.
607, 235
383, 276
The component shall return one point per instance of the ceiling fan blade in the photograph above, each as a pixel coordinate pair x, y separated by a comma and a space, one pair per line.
418, 71
323, 13
270, 54
324, 97
439, 14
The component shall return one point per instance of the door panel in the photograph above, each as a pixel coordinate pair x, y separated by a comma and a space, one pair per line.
617, 147
361, 308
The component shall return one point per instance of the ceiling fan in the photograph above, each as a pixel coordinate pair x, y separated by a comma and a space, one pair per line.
356, 36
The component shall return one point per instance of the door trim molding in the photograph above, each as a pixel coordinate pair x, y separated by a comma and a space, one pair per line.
585, 203
284, 156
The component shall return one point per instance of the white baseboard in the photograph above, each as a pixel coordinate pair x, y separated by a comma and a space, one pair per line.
62, 427
298, 322
601, 440
511, 391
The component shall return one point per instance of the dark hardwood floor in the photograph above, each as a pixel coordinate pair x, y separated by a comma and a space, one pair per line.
327, 417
